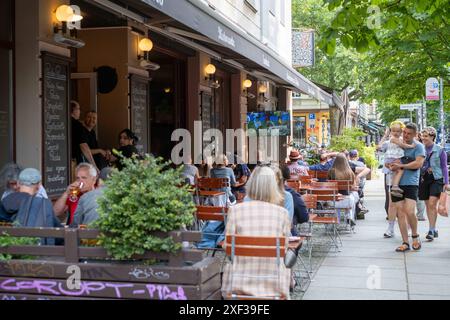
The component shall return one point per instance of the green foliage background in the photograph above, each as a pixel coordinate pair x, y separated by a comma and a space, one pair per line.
6, 241
146, 196
351, 140
389, 62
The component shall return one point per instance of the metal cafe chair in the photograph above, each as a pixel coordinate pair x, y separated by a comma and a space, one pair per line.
210, 188
345, 185
256, 247
311, 204
206, 214
328, 216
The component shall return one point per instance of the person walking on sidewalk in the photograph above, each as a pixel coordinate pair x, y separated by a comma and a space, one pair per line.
412, 162
434, 177
420, 204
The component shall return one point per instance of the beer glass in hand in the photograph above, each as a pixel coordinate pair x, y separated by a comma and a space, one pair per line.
75, 192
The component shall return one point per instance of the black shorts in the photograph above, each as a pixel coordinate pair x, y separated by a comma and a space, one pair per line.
430, 187
409, 192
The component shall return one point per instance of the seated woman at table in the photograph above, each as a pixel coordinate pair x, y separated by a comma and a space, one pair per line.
341, 171
261, 217
242, 174
127, 148
220, 170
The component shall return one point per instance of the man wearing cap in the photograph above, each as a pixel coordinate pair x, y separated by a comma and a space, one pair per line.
294, 167
86, 175
28, 184
87, 209
25, 207
354, 156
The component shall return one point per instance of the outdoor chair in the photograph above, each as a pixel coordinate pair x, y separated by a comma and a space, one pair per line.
211, 191
206, 214
328, 216
345, 185
311, 204
256, 247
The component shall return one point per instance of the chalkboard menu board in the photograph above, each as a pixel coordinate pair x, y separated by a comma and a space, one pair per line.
206, 114
55, 103
139, 106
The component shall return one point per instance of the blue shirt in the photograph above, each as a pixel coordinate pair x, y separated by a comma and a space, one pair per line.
288, 204
412, 177
322, 167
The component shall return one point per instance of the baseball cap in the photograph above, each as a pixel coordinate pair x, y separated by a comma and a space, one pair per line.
353, 153
30, 177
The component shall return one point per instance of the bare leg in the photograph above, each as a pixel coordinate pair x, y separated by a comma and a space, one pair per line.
397, 177
410, 210
392, 210
402, 221
432, 211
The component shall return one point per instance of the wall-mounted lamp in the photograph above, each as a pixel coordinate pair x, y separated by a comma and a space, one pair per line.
210, 71
247, 85
145, 46
69, 19
262, 93
65, 14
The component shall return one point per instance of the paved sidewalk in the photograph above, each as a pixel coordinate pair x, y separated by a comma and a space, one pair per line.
352, 274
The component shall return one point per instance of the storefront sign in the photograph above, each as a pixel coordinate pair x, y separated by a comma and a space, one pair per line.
432, 89
225, 37
55, 96
303, 44
157, 2
139, 105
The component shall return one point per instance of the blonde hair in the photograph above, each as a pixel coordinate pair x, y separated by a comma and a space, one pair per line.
280, 181
397, 124
262, 186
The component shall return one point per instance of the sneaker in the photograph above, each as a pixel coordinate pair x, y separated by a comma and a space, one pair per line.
436, 234
421, 218
389, 234
430, 236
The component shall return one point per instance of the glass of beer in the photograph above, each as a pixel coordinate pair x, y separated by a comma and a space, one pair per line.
75, 192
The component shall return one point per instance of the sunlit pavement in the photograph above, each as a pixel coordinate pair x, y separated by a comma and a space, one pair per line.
368, 268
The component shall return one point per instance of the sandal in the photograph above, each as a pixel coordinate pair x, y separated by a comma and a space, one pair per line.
403, 248
417, 244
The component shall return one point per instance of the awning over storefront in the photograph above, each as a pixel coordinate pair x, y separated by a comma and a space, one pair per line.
217, 34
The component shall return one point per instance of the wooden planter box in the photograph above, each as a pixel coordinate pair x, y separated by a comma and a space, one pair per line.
184, 276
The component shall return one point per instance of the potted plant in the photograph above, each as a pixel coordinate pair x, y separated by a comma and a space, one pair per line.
147, 196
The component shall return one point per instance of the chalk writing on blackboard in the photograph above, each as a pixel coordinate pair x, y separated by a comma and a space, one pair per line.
139, 98
55, 123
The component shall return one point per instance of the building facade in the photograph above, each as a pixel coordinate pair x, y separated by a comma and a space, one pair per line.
311, 121
209, 61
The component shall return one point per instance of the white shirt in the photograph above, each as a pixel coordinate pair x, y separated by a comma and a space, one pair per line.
393, 151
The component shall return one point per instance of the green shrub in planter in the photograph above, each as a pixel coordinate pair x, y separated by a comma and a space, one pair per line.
146, 196
8, 241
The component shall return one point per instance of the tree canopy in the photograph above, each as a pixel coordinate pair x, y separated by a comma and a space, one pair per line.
383, 49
